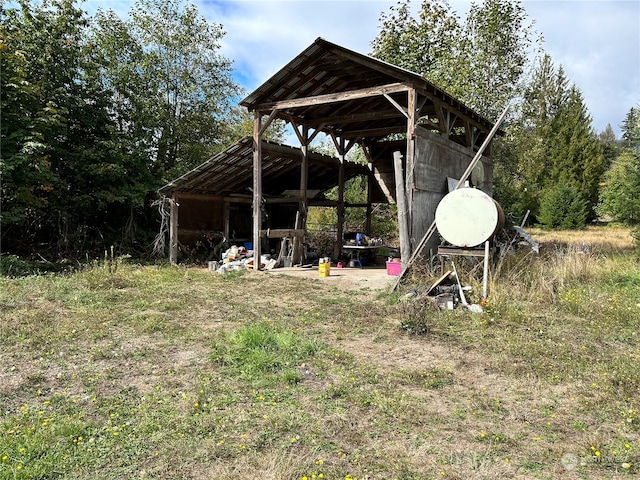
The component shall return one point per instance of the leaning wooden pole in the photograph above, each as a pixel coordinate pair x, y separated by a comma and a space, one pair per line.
401, 202
432, 228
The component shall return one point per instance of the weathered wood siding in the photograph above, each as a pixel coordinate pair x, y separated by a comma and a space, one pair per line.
437, 158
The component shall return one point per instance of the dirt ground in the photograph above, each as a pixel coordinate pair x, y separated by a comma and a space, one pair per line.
374, 278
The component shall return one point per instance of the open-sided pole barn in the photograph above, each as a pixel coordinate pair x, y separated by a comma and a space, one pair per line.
414, 135
358, 100
215, 199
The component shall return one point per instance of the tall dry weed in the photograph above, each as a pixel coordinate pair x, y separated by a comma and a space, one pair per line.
597, 239
539, 277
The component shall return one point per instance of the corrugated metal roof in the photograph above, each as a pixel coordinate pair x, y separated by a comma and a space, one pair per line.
231, 171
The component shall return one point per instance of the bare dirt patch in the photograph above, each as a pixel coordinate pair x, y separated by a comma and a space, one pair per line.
368, 278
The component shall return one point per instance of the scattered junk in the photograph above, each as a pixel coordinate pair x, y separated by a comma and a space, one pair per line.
468, 219
394, 266
238, 258
447, 292
470, 222
508, 246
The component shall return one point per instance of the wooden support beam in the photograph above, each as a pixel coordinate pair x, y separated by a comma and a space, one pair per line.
337, 247
283, 232
401, 201
336, 97
373, 132
301, 218
399, 107
173, 231
226, 217
257, 188
315, 133
296, 129
239, 199
294, 200
196, 196
370, 181
410, 162
272, 116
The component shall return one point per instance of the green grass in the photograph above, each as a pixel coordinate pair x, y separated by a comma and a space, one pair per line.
173, 373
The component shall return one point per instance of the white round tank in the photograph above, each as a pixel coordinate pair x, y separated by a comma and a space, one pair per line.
468, 217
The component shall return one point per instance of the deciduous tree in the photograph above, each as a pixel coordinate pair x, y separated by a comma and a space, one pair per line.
61, 170
173, 88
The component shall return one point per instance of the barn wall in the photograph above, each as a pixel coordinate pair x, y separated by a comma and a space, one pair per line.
201, 222
199, 216
436, 159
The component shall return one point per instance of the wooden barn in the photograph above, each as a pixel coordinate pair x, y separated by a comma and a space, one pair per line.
415, 136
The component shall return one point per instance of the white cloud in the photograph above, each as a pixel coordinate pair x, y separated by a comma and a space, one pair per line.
262, 36
598, 45
596, 41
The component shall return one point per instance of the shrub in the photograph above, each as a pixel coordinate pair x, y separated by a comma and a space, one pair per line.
563, 208
619, 198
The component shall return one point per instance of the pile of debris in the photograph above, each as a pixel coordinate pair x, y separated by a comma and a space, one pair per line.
447, 293
239, 258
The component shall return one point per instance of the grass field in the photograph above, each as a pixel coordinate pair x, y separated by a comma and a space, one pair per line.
178, 373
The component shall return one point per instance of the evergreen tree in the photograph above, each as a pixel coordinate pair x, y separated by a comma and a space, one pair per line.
609, 144
550, 143
563, 208
521, 158
631, 128
620, 197
574, 151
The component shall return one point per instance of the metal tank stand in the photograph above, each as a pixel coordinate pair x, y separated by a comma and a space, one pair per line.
444, 251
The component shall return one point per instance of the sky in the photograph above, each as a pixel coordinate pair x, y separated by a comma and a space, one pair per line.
597, 42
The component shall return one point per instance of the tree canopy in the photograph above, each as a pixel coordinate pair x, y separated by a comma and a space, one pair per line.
97, 113
620, 195
494, 58
479, 61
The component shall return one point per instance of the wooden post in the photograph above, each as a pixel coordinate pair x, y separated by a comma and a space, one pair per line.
301, 222
337, 248
225, 219
485, 274
257, 189
173, 231
367, 227
401, 201
410, 168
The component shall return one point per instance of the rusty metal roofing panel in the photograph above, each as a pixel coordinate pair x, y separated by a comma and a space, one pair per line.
230, 172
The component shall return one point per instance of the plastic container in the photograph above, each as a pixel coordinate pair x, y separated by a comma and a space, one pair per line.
394, 268
324, 268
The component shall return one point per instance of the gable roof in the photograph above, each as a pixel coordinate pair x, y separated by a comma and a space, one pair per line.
311, 90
